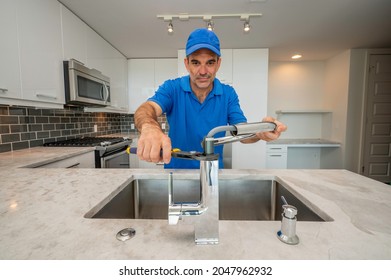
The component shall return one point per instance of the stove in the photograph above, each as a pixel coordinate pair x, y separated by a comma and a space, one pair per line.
110, 152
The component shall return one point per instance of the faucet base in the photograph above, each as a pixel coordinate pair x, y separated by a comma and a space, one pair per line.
207, 241
291, 240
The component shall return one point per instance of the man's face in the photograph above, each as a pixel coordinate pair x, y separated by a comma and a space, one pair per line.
202, 66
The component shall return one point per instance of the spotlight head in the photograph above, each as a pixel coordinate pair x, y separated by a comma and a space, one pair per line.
170, 28
246, 27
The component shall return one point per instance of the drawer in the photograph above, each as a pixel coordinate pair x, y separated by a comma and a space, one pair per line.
270, 148
276, 160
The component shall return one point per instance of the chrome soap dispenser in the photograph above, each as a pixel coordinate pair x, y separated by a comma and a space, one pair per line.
287, 234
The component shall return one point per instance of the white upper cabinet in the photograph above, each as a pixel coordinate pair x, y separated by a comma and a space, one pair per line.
39, 27
31, 53
74, 36
83, 44
36, 36
10, 86
165, 68
145, 76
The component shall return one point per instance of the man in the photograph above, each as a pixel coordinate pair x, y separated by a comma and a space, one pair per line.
193, 105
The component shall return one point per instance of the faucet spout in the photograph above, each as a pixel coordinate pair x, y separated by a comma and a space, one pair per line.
205, 213
207, 228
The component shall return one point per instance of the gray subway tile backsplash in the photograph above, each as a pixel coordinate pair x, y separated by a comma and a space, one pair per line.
25, 127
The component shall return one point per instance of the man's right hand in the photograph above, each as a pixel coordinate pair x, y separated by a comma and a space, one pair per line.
153, 145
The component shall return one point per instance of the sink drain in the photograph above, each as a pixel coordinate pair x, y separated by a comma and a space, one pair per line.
126, 234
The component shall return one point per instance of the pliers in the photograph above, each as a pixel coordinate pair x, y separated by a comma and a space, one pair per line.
177, 153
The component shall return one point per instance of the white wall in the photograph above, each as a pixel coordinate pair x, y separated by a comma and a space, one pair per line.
337, 85
336, 96
355, 109
297, 86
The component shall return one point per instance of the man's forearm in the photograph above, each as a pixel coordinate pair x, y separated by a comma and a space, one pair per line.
146, 116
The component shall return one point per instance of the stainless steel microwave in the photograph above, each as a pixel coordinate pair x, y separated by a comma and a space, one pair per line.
85, 86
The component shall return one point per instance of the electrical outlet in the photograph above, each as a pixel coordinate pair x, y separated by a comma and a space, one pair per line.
163, 125
132, 126
95, 128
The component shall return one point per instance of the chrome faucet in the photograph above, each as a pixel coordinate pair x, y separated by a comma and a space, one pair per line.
205, 213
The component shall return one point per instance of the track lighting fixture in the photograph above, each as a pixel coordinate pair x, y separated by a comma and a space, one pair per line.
207, 19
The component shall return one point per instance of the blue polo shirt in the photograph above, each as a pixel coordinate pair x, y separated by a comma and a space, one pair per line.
190, 121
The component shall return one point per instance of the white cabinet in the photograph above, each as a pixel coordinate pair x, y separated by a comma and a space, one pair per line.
86, 160
83, 44
225, 72
276, 156
10, 86
117, 69
103, 57
36, 37
31, 54
250, 80
74, 36
39, 27
145, 76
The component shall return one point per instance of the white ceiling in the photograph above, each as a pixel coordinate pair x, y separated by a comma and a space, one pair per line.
318, 29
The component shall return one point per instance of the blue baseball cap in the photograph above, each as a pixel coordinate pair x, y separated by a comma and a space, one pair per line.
202, 39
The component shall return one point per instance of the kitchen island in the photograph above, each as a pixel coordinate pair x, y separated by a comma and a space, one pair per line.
42, 215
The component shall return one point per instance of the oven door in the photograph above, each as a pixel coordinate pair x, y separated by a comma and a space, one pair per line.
119, 159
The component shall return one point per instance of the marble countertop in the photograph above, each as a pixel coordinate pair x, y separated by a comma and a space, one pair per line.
310, 143
42, 215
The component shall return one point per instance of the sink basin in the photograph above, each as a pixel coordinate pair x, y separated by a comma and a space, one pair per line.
257, 200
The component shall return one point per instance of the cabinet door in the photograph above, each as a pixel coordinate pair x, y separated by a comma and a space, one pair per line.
250, 77
165, 68
116, 69
276, 160
9, 66
99, 51
73, 36
277, 156
39, 24
225, 72
141, 81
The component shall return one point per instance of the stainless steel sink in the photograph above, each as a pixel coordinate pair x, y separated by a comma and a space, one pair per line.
238, 200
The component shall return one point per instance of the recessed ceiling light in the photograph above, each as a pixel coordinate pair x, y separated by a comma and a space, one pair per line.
296, 56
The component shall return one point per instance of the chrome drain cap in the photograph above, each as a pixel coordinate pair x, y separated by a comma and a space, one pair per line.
125, 234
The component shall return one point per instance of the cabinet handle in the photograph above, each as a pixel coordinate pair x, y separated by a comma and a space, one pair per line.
275, 155
73, 165
45, 96
3, 90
